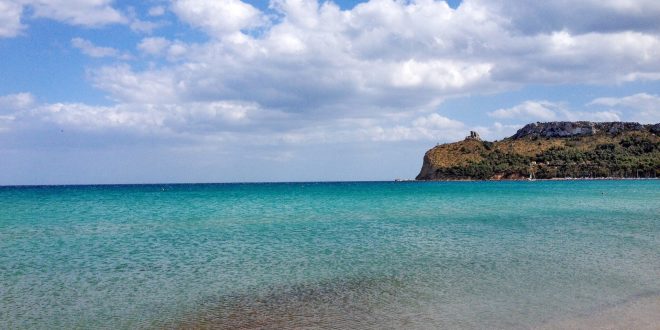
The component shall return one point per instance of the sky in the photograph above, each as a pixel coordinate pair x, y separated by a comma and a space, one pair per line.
156, 91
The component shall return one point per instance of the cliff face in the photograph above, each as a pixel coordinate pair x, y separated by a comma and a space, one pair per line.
550, 150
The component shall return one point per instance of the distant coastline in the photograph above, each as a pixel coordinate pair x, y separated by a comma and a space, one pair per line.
523, 180
551, 151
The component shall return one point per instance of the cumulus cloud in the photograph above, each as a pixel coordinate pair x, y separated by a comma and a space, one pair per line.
218, 17
172, 50
497, 130
156, 11
196, 119
642, 107
127, 86
153, 46
88, 13
561, 57
305, 71
578, 16
593, 115
220, 121
432, 127
77, 12
549, 111
10, 18
16, 101
537, 110
438, 74
12, 104
319, 56
138, 25
312, 56
298, 73
638, 101
89, 49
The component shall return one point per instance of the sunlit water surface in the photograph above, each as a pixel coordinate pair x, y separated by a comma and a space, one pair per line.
329, 255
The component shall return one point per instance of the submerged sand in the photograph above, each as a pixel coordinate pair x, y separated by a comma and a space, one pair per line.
307, 308
639, 314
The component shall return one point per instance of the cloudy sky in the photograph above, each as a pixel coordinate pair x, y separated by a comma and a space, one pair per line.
102, 91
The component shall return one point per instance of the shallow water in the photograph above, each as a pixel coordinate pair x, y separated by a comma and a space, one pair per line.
341, 255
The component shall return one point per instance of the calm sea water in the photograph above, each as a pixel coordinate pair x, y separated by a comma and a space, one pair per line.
340, 255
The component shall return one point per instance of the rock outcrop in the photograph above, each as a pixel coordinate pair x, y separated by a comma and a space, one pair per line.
473, 136
550, 150
578, 128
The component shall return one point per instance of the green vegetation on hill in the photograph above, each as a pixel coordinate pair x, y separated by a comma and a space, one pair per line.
625, 154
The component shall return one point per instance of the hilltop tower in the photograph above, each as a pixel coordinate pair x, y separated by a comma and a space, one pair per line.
473, 136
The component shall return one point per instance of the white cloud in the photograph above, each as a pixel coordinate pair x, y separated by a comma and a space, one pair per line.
595, 57
218, 17
156, 11
642, 107
176, 50
18, 101
438, 74
504, 130
153, 46
638, 101
380, 53
188, 119
577, 16
90, 13
293, 66
10, 18
497, 130
329, 69
305, 72
433, 127
592, 115
77, 12
172, 50
143, 26
437, 121
10, 105
309, 72
89, 49
549, 111
529, 110
209, 122
127, 86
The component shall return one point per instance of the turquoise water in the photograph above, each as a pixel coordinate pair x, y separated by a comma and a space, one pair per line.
336, 255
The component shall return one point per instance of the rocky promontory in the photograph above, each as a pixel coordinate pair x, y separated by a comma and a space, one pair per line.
551, 150
563, 129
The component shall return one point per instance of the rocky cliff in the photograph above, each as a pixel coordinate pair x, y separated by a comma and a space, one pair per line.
580, 128
550, 150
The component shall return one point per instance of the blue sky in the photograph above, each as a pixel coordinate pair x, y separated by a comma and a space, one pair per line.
102, 91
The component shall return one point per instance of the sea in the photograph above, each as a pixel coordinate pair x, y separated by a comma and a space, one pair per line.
347, 255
